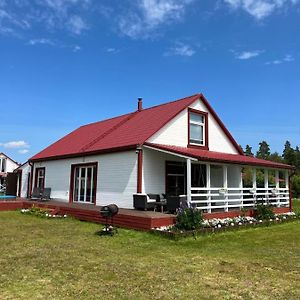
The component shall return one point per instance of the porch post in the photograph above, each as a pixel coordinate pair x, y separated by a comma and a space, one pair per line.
277, 188
288, 191
266, 179
241, 188
208, 188
188, 180
225, 186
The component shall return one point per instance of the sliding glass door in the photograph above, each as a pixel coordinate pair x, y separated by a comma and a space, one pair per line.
84, 187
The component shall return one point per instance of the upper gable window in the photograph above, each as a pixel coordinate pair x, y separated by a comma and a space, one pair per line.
197, 128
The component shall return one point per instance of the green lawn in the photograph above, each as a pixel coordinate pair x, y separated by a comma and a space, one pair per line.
296, 205
64, 259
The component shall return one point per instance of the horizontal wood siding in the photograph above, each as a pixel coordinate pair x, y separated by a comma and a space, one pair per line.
116, 178
176, 132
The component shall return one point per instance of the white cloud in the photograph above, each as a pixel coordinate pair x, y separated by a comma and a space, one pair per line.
286, 59
247, 54
260, 9
77, 25
181, 50
76, 48
41, 41
15, 145
23, 151
18, 15
149, 15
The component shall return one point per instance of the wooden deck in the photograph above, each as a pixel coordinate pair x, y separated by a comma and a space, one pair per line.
127, 218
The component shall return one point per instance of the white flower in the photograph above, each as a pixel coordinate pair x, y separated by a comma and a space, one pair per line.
219, 226
260, 221
250, 222
232, 224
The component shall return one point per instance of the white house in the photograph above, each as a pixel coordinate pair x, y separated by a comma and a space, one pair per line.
177, 148
7, 165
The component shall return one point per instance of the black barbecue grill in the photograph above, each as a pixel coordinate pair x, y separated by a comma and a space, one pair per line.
108, 212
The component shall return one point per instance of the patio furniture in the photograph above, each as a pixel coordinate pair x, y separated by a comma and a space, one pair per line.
46, 194
174, 202
37, 193
145, 201
160, 205
42, 194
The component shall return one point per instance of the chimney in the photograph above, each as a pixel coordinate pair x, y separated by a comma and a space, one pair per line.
140, 104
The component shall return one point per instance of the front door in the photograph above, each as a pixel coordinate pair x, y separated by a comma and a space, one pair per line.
84, 188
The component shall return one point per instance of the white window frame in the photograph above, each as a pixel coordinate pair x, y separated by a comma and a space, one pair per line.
201, 124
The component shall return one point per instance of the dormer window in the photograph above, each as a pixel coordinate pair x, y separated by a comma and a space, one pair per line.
198, 133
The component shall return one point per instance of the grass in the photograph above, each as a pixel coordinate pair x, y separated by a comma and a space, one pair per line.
55, 259
296, 205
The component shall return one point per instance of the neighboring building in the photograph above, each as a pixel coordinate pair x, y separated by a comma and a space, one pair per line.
7, 165
180, 147
23, 181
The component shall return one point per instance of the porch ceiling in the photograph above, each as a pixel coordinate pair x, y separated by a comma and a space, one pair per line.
212, 156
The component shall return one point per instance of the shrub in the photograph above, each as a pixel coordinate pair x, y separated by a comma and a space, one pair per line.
263, 212
189, 219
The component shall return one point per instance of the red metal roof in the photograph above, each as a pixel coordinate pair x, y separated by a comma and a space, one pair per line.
207, 155
117, 133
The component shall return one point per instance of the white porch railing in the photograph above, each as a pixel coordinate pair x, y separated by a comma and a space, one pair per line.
216, 199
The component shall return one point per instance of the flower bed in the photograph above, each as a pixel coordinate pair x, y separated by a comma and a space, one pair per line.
221, 225
42, 212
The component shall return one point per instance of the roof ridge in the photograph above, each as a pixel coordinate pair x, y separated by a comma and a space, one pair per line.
110, 130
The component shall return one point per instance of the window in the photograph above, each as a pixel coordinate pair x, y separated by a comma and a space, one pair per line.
84, 183
2, 165
198, 128
40, 177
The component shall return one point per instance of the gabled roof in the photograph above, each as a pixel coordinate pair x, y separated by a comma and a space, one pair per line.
206, 155
1, 153
120, 133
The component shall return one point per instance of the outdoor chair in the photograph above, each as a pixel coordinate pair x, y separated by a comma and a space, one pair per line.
46, 194
175, 202
37, 193
145, 201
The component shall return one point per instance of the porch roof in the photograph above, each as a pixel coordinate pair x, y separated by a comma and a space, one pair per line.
213, 156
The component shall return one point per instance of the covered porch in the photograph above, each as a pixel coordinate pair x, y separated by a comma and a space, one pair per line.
216, 183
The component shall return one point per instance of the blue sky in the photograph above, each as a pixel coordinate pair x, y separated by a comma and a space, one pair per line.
65, 63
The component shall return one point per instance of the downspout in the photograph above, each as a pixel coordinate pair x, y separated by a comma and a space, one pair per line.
31, 164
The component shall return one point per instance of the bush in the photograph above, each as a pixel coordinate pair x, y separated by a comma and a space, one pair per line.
263, 212
189, 219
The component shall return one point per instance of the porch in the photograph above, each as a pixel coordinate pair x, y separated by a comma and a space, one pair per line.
222, 184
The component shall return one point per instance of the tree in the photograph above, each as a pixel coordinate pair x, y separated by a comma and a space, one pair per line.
289, 154
248, 151
276, 157
263, 150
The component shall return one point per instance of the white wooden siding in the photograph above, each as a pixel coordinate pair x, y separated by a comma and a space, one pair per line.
116, 178
154, 165
175, 132
24, 182
10, 165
